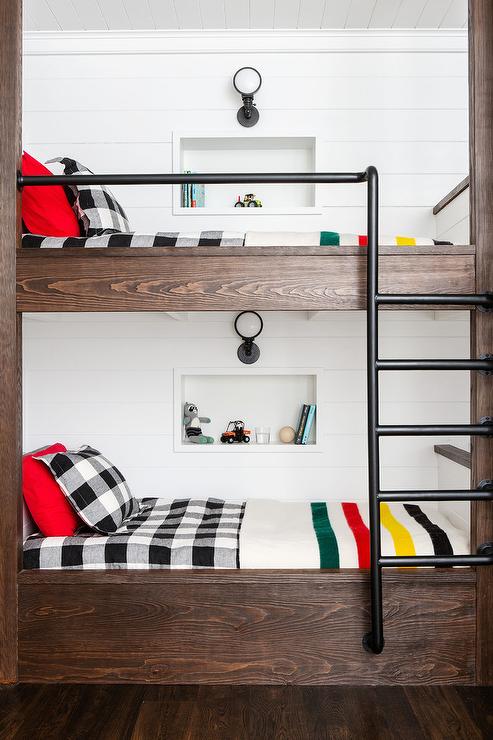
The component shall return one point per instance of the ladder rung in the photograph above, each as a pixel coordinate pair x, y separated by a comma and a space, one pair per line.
455, 495
430, 430
410, 561
454, 299
485, 365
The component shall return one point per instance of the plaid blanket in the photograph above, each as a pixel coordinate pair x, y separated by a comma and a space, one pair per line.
160, 239
186, 533
221, 239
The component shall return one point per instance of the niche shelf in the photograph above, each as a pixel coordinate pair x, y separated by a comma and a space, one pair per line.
259, 396
246, 153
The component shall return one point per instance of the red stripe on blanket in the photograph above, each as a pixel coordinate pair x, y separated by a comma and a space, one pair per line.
363, 240
360, 532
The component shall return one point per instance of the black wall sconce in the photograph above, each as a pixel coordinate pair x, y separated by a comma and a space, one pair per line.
247, 82
248, 325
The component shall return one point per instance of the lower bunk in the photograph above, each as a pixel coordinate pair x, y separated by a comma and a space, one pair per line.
259, 592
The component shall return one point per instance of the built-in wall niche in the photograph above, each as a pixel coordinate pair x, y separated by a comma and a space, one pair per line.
246, 153
261, 397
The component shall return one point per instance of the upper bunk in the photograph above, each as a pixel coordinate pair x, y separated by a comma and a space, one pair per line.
251, 275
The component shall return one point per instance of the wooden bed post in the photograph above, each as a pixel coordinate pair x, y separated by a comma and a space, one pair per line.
10, 453
481, 194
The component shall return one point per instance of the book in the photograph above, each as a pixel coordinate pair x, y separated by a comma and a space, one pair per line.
192, 194
301, 424
309, 424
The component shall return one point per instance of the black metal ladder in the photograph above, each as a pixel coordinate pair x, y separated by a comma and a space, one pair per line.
373, 641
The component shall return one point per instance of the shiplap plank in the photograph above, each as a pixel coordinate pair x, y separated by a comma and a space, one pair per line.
114, 14
433, 14
384, 13
212, 13
164, 14
409, 13
188, 13
335, 14
91, 16
237, 14
39, 16
334, 126
131, 66
66, 14
360, 13
286, 14
354, 93
262, 13
456, 15
311, 13
139, 14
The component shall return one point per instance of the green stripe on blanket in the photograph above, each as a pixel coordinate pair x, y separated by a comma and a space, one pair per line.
327, 543
329, 238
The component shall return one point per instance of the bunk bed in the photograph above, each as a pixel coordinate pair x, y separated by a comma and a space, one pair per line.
255, 626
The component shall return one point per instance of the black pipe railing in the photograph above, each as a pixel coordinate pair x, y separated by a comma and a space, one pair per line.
219, 178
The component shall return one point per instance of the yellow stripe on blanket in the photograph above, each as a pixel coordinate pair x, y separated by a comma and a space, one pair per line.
403, 542
405, 241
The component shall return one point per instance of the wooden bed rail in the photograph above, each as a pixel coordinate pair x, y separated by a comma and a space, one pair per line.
218, 278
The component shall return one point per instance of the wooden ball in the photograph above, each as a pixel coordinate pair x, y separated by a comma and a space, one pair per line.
286, 434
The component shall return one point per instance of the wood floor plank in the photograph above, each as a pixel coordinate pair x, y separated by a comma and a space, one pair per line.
166, 713
442, 714
478, 702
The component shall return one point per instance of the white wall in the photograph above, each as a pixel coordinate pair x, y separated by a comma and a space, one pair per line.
395, 100
108, 381
113, 101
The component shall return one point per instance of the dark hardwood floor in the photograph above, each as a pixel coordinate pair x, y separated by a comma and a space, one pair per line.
76, 712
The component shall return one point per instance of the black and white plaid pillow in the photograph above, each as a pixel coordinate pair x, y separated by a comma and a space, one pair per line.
97, 210
94, 487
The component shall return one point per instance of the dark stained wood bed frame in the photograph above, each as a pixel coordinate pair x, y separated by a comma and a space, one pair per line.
237, 626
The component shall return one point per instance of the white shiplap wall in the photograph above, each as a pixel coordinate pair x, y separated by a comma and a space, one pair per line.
108, 381
113, 102
114, 105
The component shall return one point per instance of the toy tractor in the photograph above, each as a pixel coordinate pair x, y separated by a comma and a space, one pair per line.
249, 201
235, 432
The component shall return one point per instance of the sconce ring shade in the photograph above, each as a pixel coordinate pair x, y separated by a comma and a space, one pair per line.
248, 325
247, 81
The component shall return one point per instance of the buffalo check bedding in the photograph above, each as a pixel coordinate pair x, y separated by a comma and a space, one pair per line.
259, 533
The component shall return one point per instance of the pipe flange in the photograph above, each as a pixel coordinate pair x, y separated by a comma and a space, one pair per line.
489, 308
486, 548
486, 357
485, 485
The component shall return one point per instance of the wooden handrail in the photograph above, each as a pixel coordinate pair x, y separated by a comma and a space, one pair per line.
456, 454
451, 196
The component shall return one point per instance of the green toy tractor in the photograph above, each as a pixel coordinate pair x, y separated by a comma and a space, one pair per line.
249, 201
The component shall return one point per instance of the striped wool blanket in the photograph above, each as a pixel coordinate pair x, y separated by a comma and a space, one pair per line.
327, 239
277, 534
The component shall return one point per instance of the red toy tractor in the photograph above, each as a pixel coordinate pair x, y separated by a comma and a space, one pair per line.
236, 432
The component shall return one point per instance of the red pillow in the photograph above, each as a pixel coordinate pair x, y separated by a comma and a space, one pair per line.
48, 506
45, 209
